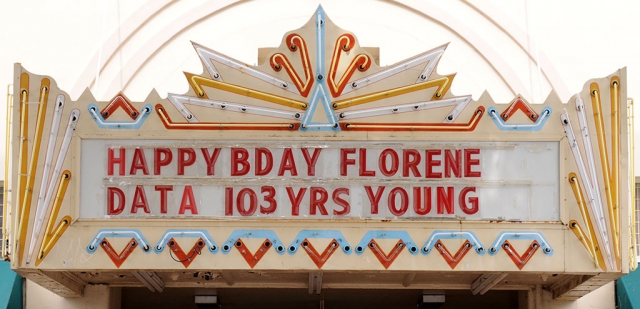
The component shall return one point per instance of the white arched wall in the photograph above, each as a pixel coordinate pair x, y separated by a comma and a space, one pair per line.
140, 70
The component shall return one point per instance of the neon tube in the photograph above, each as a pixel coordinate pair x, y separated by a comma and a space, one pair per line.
44, 184
604, 158
594, 199
197, 82
633, 249
534, 127
49, 240
64, 148
615, 152
103, 233
442, 83
179, 102
431, 58
206, 55
24, 145
33, 164
458, 102
593, 243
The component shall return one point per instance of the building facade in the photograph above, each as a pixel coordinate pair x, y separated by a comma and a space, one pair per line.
320, 177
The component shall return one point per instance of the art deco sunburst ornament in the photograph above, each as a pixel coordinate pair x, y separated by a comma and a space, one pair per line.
321, 76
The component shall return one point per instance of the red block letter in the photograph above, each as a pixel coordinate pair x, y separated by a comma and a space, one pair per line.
159, 161
111, 193
362, 152
188, 202
186, 157
430, 163
139, 162
391, 201
263, 170
288, 163
270, 198
344, 160
163, 197
382, 162
374, 199
346, 208
317, 201
295, 200
410, 161
452, 164
113, 161
469, 163
253, 202
239, 156
419, 207
228, 201
445, 200
311, 161
140, 201
210, 159
472, 200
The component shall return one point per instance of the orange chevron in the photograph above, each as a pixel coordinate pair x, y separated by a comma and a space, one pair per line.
453, 260
252, 259
520, 260
118, 258
386, 259
519, 104
278, 61
183, 257
319, 259
119, 101
361, 62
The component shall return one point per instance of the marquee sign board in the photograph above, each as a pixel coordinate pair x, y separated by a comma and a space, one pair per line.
338, 180
318, 160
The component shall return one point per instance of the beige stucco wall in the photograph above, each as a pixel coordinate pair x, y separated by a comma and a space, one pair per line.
95, 297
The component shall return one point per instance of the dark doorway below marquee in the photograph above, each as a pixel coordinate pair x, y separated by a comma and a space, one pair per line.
240, 298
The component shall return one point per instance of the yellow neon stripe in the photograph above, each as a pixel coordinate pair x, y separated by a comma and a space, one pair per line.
62, 226
62, 189
443, 84
221, 125
604, 158
198, 81
7, 156
633, 258
35, 150
598, 259
615, 149
582, 237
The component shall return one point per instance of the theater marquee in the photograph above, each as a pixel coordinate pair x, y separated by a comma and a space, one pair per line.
338, 180
320, 160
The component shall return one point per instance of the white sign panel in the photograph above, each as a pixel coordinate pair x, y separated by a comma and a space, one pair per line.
337, 180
